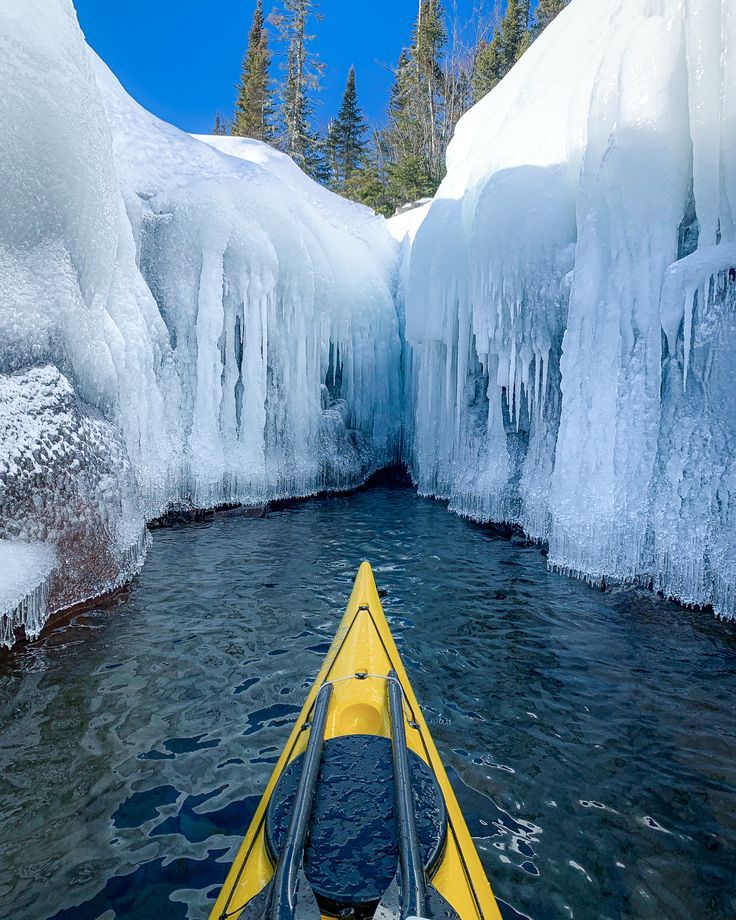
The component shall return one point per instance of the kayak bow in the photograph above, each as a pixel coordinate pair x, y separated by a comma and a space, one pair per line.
321, 843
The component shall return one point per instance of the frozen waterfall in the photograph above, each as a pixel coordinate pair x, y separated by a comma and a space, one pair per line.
550, 341
571, 300
210, 324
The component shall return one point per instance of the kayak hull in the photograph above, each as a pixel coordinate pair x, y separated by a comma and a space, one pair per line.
364, 646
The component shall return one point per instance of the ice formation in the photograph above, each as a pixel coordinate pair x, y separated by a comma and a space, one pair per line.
229, 322
404, 226
571, 297
192, 320
25, 573
67, 495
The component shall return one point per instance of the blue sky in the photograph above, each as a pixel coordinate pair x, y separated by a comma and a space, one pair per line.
181, 58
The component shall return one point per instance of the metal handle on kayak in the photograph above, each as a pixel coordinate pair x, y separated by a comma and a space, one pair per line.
413, 890
284, 897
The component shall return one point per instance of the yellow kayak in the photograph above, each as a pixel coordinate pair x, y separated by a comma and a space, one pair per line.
359, 818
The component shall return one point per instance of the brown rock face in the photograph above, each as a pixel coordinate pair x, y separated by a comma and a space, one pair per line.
65, 480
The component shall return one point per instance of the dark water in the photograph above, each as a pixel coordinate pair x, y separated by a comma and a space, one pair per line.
591, 736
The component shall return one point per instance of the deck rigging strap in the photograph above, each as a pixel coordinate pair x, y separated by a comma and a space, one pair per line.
407, 895
291, 891
289, 896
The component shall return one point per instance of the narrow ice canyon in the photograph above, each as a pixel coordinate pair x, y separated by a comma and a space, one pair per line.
550, 342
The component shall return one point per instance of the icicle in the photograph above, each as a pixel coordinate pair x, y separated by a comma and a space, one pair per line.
510, 395
688, 331
463, 348
543, 392
538, 383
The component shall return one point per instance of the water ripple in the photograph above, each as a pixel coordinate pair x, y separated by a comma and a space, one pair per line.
590, 737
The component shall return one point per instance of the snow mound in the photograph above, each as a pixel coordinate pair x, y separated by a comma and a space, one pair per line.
570, 300
405, 224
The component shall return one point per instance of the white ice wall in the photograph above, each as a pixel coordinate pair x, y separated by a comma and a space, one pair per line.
233, 322
569, 298
567, 377
260, 276
71, 293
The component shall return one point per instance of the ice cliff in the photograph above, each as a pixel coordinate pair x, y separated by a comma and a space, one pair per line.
201, 325
571, 300
193, 321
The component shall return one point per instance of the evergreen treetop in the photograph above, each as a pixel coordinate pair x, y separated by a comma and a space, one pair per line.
349, 132
398, 96
430, 38
494, 59
514, 28
331, 155
489, 67
303, 73
221, 126
545, 12
413, 143
253, 108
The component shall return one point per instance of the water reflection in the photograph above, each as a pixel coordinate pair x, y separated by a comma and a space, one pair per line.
591, 737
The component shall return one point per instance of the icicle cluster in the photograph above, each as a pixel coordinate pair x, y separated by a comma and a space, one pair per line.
588, 209
228, 320
25, 574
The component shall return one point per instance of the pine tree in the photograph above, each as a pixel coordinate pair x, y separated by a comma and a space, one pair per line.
526, 40
303, 73
253, 109
400, 89
219, 127
514, 29
401, 138
496, 58
331, 156
410, 180
430, 37
489, 67
457, 71
349, 133
546, 11
368, 186
414, 142
401, 134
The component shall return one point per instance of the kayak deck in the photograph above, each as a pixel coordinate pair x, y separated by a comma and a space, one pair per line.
361, 661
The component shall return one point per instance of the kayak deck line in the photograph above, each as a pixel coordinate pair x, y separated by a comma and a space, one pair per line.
361, 667
412, 893
289, 868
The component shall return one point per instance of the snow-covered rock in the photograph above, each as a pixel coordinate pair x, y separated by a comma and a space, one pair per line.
570, 300
25, 574
71, 525
231, 321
